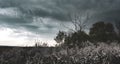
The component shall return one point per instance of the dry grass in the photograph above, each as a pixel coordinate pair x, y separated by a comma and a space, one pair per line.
100, 54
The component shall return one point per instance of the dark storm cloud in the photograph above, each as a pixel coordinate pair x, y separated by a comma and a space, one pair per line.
57, 10
109, 16
13, 21
56, 14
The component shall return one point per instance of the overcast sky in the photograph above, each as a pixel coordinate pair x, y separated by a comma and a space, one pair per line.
24, 21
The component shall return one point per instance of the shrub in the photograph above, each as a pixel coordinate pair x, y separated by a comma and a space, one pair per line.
90, 54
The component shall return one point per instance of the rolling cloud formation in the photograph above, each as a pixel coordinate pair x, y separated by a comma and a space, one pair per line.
44, 17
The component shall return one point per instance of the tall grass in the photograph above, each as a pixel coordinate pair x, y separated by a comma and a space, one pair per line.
92, 54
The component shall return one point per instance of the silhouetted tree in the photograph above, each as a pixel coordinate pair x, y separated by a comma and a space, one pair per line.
60, 37
79, 21
118, 26
73, 39
78, 36
76, 39
102, 32
118, 30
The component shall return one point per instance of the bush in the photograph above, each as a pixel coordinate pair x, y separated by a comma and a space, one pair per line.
90, 54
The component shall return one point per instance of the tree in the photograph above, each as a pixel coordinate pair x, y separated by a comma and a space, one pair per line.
79, 21
117, 24
78, 36
102, 32
60, 37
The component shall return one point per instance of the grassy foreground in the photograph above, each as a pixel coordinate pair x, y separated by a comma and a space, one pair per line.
91, 54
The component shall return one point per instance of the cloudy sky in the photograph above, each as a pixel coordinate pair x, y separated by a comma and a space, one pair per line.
22, 22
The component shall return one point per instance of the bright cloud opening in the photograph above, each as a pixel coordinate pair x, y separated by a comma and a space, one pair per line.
13, 37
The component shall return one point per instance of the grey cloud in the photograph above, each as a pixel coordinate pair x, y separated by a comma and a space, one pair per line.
26, 23
57, 10
31, 26
108, 16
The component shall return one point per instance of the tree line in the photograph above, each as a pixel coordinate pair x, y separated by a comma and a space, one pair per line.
99, 32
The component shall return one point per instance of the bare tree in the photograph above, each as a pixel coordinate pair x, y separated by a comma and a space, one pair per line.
78, 36
78, 20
